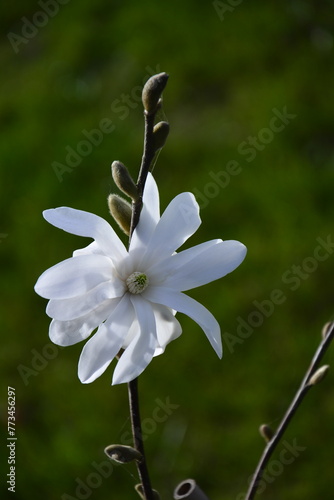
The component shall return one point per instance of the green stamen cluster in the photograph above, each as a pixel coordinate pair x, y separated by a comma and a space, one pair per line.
137, 282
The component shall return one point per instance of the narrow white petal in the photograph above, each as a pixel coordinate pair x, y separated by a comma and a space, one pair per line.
168, 327
138, 355
66, 333
89, 249
74, 276
100, 350
86, 224
149, 217
68, 309
178, 222
151, 198
190, 307
212, 263
160, 270
133, 331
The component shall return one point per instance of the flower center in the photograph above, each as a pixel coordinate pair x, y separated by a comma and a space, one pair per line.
137, 282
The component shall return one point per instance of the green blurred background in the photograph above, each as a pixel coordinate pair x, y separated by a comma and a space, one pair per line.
230, 65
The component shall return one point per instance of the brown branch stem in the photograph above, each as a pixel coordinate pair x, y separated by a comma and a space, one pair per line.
148, 155
138, 439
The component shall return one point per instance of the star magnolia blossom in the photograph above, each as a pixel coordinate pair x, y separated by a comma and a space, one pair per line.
132, 296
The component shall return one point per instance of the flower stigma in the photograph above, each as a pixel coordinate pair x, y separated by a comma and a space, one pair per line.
137, 282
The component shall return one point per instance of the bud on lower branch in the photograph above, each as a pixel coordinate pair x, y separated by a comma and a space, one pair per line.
139, 489
326, 329
123, 180
121, 211
122, 454
319, 375
266, 432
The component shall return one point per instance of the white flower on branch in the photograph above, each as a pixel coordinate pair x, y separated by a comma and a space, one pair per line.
131, 296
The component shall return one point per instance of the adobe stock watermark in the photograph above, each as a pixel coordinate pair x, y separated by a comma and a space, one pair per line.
93, 138
275, 468
292, 278
222, 8
31, 27
39, 361
160, 414
249, 148
103, 470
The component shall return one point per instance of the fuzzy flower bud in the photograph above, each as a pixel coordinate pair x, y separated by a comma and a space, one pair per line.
123, 180
160, 134
326, 328
319, 375
266, 432
122, 454
152, 91
140, 491
121, 211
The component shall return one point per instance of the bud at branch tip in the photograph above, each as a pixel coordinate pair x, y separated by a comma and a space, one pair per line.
152, 91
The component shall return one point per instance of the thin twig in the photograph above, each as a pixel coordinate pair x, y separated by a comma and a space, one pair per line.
137, 438
148, 155
301, 393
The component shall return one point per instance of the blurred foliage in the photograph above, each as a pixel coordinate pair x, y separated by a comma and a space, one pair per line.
228, 72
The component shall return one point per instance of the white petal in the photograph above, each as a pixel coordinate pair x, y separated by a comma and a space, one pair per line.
149, 216
66, 333
160, 270
168, 327
191, 308
178, 222
100, 350
151, 198
88, 250
138, 355
133, 331
86, 224
74, 276
212, 263
68, 309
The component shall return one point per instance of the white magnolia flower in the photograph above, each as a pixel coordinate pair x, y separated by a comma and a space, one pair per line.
131, 296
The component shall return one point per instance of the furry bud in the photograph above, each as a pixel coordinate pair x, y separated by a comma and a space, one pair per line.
152, 91
160, 134
319, 375
123, 180
121, 211
326, 329
266, 432
140, 491
122, 454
